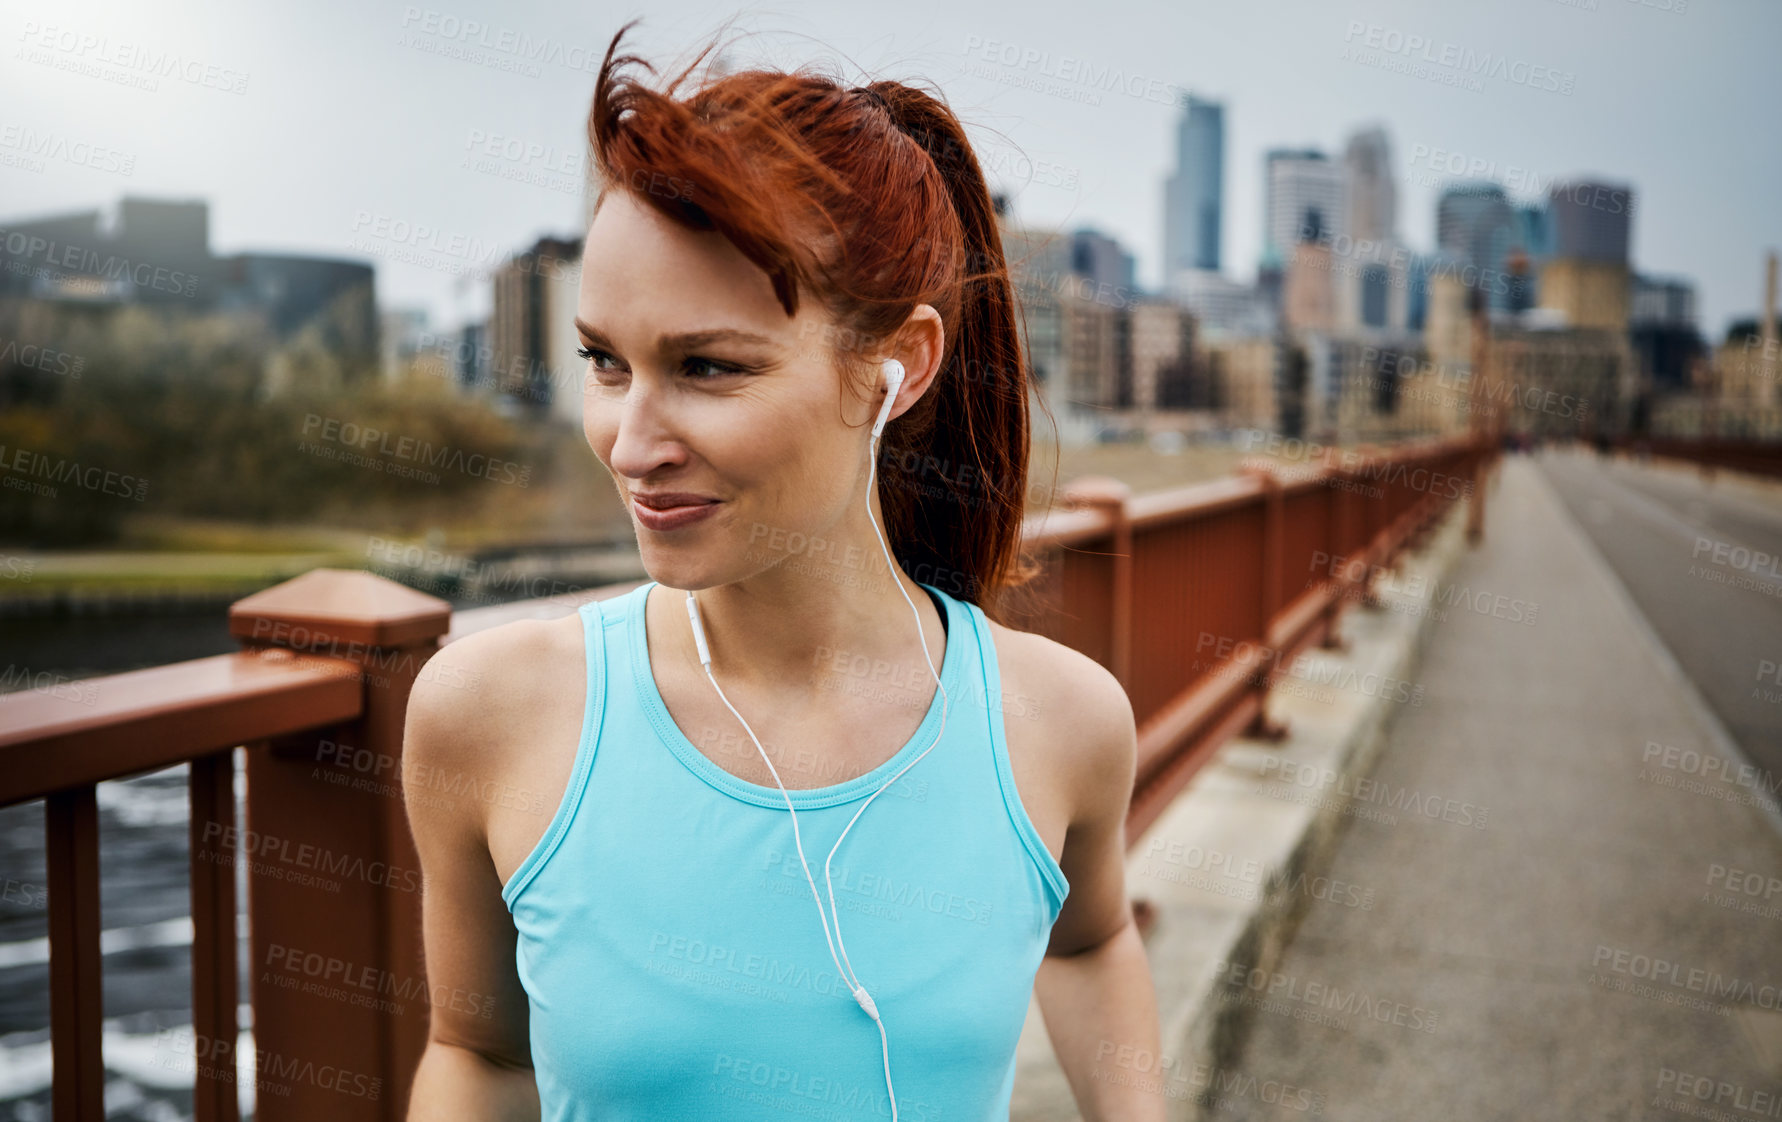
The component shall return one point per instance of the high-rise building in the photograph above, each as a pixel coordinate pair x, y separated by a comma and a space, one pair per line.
532, 329
1592, 221
1305, 198
1476, 224
1534, 248
1588, 294
1367, 269
1373, 195
1101, 259
1534, 223
1474, 221
1668, 301
1194, 194
1589, 272
1661, 328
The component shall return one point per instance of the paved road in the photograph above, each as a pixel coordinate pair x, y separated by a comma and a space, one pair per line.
1703, 559
1596, 949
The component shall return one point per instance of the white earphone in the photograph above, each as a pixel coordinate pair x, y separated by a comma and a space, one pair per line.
893, 372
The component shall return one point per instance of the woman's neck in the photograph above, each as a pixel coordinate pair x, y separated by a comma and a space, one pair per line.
788, 623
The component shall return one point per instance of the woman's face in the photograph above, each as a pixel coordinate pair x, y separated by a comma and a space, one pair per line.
699, 383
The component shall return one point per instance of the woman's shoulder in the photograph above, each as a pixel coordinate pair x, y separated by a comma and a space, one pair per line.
483, 680
487, 709
1082, 693
1081, 719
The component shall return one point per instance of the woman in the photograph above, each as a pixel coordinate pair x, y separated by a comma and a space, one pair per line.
636, 921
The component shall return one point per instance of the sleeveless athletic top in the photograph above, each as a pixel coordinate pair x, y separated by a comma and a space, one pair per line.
669, 946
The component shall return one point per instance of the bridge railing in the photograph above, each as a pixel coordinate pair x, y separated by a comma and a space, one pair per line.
1198, 598
1755, 457
1195, 598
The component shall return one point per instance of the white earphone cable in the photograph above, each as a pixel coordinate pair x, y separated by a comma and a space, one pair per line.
861, 996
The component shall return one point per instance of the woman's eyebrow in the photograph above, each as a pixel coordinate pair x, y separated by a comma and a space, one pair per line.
681, 341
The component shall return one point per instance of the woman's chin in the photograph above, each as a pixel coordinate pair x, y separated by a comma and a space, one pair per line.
675, 568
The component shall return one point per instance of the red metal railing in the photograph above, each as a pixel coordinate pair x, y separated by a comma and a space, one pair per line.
1197, 598
1753, 456
1194, 598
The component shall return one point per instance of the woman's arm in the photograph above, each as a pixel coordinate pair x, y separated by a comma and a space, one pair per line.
454, 1081
1094, 985
478, 1061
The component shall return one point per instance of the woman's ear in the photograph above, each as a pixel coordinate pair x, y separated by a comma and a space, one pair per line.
921, 343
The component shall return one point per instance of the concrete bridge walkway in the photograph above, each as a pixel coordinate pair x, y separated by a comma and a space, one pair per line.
1608, 943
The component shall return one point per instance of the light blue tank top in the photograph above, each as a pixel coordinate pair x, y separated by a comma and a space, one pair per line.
674, 959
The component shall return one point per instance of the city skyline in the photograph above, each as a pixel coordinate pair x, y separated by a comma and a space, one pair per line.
492, 158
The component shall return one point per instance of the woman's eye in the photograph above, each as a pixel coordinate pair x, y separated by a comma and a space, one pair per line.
699, 369
718, 369
593, 355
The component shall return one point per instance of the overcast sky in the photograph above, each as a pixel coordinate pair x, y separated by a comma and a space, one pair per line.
348, 128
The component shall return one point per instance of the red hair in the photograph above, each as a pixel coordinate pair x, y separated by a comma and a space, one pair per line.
871, 201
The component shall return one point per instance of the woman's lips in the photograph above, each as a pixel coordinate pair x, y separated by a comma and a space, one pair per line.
671, 518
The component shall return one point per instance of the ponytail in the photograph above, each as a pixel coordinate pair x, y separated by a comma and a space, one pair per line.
952, 477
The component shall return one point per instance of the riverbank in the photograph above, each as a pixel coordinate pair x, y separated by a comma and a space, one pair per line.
181, 564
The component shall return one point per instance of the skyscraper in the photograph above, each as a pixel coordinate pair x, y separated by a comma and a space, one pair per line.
1477, 225
1474, 221
1669, 301
1536, 227
1589, 275
1662, 331
1592, 221
1373, 197
1104, 261
1194, 195
532, 332
1305, 199
1370, 294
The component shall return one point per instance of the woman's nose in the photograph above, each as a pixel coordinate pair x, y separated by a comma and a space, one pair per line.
645, 438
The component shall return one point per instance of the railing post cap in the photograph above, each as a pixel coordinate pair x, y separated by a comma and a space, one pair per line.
1268, 474
1094, 490
340, 606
